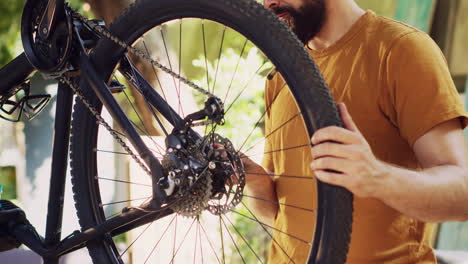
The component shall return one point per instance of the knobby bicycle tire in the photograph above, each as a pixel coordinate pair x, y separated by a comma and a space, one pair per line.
334, 216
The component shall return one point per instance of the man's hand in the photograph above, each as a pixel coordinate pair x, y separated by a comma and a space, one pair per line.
343, 157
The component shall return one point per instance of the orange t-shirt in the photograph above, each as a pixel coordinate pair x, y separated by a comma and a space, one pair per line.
397, 86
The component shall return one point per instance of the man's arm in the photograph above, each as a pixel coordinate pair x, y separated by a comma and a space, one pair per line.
437, 193
260, 192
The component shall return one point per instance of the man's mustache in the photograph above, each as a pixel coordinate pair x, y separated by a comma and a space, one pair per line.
282, 9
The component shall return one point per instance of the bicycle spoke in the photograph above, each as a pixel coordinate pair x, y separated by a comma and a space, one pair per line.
183, 240
232, 239
180, 50
121, 181
245, 87
112, 215
209, 242
278, 203
283, 175
160, 155
126, 201
256, 125
278, 150
274, 130
253, 130
113, 152
143, 123
243, 239
201, 244
196, 242
254, 219
170, 67
159, 82
222, 239
270, 235
135, 240
145, 130
157, 243
235, 71
175, 238
115, 131
219, 59
204, 50
154, 71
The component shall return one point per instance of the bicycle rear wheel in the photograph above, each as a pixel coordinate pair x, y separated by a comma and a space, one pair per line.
260, 44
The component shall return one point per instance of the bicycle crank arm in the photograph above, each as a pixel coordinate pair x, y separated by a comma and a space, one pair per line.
54, 7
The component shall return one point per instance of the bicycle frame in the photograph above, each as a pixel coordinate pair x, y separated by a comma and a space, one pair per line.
52, 247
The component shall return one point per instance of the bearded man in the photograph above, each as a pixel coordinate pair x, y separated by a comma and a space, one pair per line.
402, 152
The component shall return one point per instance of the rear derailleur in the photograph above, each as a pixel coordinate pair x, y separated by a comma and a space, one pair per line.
202, 172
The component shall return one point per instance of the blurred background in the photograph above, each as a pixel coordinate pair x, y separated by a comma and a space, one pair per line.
25, 147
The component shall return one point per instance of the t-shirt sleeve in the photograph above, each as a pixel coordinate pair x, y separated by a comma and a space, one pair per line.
420, 91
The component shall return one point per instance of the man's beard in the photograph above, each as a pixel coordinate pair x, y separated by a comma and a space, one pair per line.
307, 21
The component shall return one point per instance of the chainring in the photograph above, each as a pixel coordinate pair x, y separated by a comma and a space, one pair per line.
47, 55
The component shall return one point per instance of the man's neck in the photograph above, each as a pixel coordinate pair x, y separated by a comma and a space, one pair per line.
341, 16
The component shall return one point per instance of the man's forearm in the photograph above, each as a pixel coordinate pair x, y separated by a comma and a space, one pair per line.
431, 195
261, 195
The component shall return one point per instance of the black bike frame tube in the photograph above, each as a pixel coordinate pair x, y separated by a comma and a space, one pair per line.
154, 98
105, 96
14, 73
59, 168
132, 218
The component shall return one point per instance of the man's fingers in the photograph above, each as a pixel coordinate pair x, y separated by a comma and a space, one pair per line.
336, 134
330, 177
220, 150
327, 149
331, 163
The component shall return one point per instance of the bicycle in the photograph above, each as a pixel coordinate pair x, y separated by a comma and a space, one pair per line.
189, 175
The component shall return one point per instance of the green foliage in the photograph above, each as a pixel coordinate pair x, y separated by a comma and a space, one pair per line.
10, 21
78, 5
8, 180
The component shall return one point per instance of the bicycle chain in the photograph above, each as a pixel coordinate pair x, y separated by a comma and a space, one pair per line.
105, 32
100, 120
